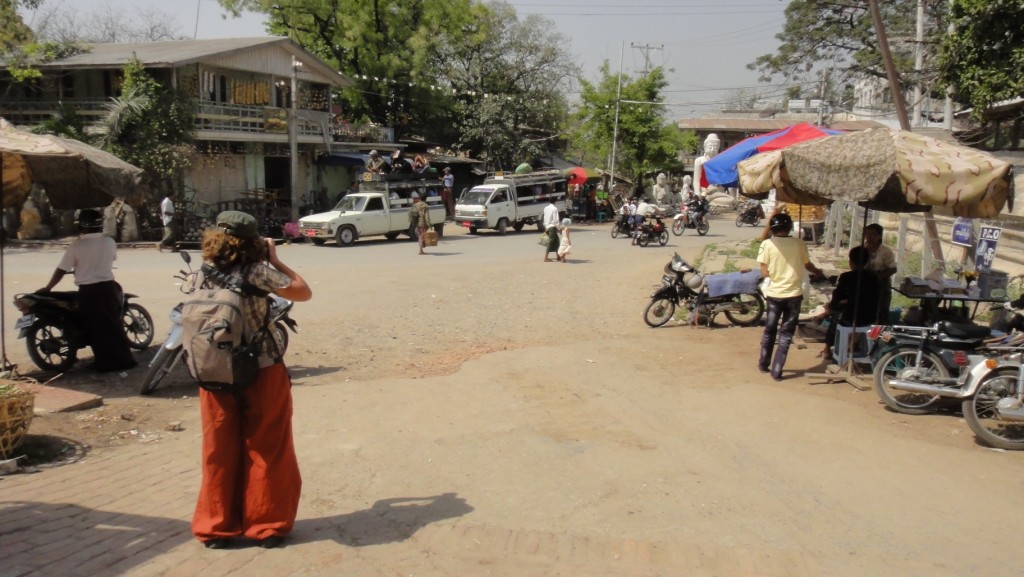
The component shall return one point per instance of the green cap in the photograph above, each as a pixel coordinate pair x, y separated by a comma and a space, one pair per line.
238, 223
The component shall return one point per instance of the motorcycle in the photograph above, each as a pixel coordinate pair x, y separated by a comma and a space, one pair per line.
649, 231
622, 226
171, 350
53, 331
993, 394
692, 214
682, 285
752, 214
917, 367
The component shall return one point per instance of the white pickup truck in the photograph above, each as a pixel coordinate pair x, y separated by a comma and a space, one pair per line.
507, 199
381, 207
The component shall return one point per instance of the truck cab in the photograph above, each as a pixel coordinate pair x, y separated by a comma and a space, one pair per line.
507, 199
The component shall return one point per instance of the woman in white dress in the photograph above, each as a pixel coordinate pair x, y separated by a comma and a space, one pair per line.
564, 241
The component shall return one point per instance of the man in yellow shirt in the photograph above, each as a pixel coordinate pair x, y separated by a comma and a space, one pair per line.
783, 259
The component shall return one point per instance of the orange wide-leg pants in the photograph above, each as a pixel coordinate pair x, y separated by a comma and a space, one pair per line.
250, 478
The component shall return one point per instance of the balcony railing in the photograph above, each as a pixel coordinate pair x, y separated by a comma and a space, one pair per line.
220, 118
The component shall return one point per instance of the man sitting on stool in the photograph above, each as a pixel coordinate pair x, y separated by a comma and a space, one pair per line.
857, 288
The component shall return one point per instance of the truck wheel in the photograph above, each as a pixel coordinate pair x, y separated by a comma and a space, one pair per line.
502, 227
439, 229
391, 235
318, 241
346, 236
518, 225
472, 230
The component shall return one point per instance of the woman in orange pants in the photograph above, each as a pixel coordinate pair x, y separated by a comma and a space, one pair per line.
251, 482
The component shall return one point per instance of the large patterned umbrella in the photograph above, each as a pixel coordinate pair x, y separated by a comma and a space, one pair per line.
74, 174
721, 169
882, 169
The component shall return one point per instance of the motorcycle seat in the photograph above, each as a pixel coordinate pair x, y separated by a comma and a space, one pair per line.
964, 330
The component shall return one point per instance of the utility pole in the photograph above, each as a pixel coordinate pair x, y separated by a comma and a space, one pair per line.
918, 63
293, 137
821, 97
901, 113
646, 49
615, 127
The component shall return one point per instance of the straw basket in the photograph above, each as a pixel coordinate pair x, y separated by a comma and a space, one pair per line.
16, 406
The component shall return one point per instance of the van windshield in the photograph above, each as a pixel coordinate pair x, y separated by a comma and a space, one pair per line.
476, 196
353, 203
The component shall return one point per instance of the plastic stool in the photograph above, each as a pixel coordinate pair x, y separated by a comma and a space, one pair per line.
601, 216
841, 346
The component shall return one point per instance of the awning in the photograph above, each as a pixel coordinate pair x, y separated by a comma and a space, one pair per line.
342, 159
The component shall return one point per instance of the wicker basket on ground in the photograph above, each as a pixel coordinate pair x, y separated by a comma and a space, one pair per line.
16, 412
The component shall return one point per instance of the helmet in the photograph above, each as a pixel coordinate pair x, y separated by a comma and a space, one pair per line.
695, 281
780, 222
90, 219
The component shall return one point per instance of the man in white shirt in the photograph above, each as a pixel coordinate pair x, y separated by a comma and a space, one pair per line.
551, 229
167, 217
100, 299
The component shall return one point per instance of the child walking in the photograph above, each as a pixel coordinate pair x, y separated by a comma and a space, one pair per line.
564, 241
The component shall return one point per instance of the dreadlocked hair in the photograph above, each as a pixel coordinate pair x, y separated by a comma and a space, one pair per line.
225, 252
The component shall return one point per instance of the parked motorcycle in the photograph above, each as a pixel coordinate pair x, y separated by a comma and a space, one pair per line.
752, 213
53, 331
653, 228
993, 395
692, 214
683, 285
917, 367
171, 350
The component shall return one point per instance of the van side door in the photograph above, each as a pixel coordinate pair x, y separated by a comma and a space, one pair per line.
501, 205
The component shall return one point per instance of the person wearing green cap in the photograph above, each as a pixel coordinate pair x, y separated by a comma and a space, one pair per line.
250, 475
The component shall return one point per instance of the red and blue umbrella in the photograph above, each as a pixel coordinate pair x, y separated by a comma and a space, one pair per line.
721, 169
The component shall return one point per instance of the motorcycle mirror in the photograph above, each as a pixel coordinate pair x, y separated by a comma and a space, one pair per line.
185, 257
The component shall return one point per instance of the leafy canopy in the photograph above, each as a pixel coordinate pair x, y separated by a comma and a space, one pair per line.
983, 58
645, 143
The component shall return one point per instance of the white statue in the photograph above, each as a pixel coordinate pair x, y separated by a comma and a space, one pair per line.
687, 190
711, 146
662, 192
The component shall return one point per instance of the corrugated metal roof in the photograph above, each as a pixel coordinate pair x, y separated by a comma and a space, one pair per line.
763, 125
175, 53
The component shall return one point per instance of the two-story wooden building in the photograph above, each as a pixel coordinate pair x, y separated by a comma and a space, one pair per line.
244, 104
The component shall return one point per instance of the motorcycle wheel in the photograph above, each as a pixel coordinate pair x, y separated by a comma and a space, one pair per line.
902, 363
663, 238
643, 240
161, 364
703, 227
678, 227
659, 312
757, 222
49, 347
979, 411
753, 306
281, 332
138, 326
739, 221
615, 231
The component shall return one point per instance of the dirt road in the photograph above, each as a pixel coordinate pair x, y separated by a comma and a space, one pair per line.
479, 412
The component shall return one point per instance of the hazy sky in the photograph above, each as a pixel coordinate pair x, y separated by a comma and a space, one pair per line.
704, 44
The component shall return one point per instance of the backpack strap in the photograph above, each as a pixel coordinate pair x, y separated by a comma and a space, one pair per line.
233, 281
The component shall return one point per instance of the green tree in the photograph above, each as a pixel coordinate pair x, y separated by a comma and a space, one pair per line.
383, 45
13, 30
841, 36
645, 142
151, 127
983, 58
508, 81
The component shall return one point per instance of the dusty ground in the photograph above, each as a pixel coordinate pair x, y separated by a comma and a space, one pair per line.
479, 412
